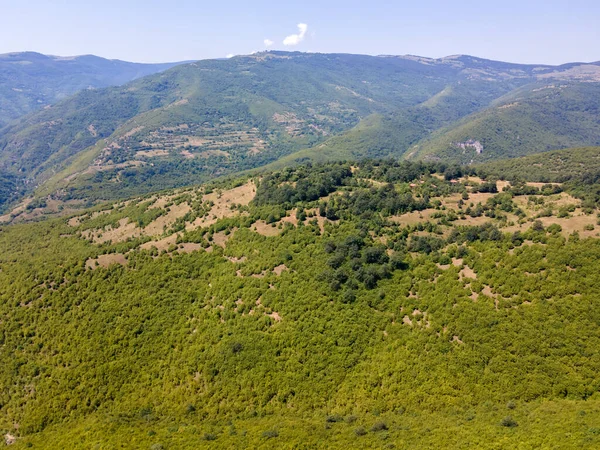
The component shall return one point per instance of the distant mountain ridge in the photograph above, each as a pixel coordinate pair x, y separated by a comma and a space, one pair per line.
216, 117
30, 80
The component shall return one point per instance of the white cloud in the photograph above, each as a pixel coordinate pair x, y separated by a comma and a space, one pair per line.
268, 43
230, 55
295, 39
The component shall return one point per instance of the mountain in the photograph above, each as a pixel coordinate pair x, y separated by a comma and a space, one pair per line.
372, 304
534, 119
31, 81
211, 118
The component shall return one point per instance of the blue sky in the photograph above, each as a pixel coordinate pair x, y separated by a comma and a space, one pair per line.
529, 31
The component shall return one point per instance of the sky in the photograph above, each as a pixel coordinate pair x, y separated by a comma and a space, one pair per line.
525, 31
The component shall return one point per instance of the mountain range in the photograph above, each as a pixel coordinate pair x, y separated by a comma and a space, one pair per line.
211, 118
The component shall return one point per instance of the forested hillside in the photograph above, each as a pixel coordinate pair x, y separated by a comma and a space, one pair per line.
372, 304
556, 166
528, 121
212, 118
30, 81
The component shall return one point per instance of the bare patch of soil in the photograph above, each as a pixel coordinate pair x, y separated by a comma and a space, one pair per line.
221, 238
222, 202
261, 227
188, 247
159, 225
124, 231
106, 260
467, 272
186, 154
457, 340
275, 316
291, 218
280, 269
412, 218
151, 153
160, 244
235, 260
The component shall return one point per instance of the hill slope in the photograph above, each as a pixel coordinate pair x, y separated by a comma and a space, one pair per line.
30, 81
555, 166
530, 120
352, 305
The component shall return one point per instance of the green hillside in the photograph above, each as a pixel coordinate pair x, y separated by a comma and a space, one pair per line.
368, 304
556, 166
390, 135
204, 119
532, 120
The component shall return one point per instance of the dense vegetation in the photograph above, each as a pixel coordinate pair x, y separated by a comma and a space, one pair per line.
557, 166
373, 308
537, 119
11, 187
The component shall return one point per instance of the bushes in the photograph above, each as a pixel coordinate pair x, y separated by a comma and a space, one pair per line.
270, 434
508, 422
213, 344
379, 426
311, 183
355, 260
334, 418
360, 431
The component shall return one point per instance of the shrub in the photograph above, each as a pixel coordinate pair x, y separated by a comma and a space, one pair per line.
554, 228
334, 418
237, 347
379, 426
209, 437
270, 434
349, 296
537, 226
509, 422
360, 431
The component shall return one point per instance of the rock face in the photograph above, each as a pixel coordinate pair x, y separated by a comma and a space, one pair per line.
472, 144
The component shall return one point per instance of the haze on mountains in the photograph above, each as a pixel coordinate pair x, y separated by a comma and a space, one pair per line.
30, 81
